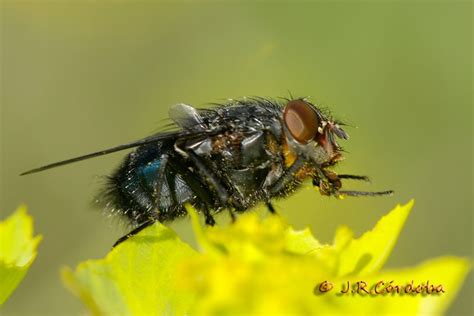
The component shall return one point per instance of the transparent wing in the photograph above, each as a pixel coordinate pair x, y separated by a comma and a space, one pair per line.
103, 152
182, 135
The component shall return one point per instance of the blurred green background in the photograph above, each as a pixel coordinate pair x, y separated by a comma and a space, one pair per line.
83, 76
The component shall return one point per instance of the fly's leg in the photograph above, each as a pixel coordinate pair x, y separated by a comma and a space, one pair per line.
354, 177
363, 193
210, 177
197, 187
270, 207
208, 217
287, 177
216, 184
329, 183
162, 176
232, 215
316, 182
179, 167
134, 231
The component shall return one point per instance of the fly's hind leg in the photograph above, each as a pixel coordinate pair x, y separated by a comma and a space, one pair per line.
219, 187
216, 184
211, 178
134, 231
198, 188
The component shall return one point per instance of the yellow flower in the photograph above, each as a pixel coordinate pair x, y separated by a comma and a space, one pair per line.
264, 267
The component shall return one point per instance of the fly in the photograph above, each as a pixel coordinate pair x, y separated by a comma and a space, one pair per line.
231, 156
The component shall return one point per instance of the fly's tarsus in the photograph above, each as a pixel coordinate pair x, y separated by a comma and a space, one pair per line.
363, 193
354, 177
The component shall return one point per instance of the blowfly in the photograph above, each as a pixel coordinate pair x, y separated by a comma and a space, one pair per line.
231, 156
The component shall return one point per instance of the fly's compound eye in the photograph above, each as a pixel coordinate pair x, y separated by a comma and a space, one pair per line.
301, 121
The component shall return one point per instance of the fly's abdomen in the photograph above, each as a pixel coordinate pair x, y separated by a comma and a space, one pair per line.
145, 186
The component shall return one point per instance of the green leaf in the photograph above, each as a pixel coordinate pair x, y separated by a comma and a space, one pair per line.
136, 278
17, 250
259, 266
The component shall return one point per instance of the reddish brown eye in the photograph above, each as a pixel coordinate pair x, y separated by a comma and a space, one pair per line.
301, 120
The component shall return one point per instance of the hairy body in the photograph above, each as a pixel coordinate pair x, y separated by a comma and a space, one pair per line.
231, 156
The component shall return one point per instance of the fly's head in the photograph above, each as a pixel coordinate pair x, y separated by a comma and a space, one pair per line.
310, 136
310, 133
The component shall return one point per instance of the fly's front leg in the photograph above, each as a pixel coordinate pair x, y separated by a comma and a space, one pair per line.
289, 176
327, 181
354, 177
333, 183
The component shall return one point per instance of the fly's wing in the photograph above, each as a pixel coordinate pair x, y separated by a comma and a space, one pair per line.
193, 124
147, 140
174, 135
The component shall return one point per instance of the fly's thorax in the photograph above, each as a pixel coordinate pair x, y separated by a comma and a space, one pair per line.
237, 150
